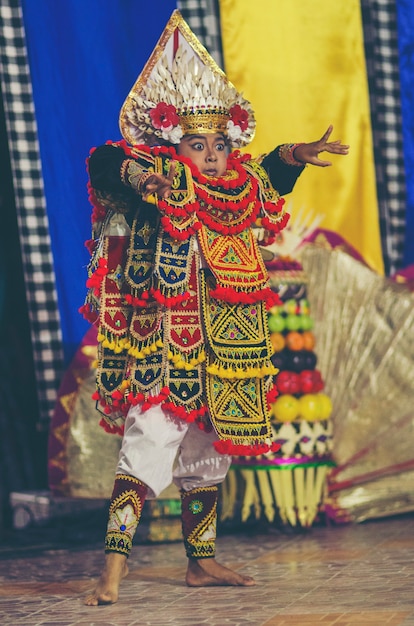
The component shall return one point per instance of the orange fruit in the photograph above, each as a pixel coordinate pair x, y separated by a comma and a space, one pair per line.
294, 341
308, 340
278, 341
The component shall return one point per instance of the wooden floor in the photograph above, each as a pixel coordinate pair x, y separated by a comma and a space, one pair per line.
344, 575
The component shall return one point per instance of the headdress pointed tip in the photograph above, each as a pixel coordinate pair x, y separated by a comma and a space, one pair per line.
179, 82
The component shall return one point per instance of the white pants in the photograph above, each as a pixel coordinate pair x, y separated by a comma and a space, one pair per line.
159, 449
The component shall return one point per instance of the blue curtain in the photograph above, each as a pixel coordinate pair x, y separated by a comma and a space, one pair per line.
405, 16
84, 57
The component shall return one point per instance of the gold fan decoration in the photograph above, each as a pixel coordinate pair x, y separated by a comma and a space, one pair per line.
364, 325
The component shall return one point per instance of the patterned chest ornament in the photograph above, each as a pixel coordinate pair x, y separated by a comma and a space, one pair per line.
227, 205
222, 211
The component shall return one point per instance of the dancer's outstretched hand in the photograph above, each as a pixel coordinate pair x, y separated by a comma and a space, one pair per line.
308, 152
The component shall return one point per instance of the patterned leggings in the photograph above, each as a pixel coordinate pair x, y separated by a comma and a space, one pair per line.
198, 517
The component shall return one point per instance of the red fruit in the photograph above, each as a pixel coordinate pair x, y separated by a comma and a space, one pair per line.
311, 381
288, 382
318, 384
306, 381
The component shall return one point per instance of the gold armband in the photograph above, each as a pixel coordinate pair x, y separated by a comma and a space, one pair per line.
134, 175
286, 153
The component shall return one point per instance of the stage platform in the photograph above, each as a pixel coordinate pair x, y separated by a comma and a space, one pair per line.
359, 575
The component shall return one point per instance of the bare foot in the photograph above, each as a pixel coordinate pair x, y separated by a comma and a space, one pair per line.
209, 573
106, 591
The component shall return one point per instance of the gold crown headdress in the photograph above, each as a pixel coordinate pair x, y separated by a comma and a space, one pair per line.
182, 91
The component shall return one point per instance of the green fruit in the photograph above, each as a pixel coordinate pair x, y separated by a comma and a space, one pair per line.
276, 323
306, 322
293, 322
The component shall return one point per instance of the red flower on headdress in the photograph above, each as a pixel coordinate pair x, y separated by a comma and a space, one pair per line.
239, 116
164, 116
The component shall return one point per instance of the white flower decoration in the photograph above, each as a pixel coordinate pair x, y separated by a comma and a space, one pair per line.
174, 135
234, 132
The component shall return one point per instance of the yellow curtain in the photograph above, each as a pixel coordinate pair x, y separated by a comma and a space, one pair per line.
301, 63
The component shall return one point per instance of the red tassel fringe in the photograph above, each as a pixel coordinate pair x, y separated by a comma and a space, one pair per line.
228, 294
225, 446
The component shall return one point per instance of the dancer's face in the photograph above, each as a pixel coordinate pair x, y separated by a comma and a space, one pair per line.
207, 152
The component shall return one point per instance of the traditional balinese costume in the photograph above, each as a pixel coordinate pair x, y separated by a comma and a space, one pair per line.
179, 290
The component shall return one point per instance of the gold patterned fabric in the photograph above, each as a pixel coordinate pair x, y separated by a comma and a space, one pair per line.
238, 339
235, 260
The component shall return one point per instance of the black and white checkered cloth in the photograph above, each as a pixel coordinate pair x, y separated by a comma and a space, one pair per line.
30, 203
381, 52
203, 18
